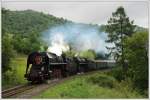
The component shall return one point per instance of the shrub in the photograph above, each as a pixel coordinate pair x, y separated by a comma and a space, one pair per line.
136, 53
8, 78
102, 80
117, 73
7, 52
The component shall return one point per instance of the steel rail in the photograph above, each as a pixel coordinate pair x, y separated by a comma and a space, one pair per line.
16, 90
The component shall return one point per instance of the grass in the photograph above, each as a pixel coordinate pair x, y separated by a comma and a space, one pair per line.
98, 85
16, 75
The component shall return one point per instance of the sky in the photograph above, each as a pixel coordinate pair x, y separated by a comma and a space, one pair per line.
85, 12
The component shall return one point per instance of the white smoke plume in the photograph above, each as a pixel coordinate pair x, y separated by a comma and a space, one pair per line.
81, 37
57, 44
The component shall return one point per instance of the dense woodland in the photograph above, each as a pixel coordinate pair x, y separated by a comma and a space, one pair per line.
22, 30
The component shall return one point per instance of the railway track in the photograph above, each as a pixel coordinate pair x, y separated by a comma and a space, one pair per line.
16, 90
22, 88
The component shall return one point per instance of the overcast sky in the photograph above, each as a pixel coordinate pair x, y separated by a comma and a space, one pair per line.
85, 12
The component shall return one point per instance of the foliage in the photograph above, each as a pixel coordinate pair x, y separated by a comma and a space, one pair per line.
102, 80
101, 56
117, 73
27, 21
83, 87
119, 27
136, 53
129, 46
90, 54
15, 76
7, 51
70, 53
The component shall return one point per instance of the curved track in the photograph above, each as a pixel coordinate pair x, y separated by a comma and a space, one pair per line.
16, 90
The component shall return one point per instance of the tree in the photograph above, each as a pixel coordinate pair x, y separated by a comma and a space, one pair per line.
101, 56
136, 52
118, 28
90, 54
7, 51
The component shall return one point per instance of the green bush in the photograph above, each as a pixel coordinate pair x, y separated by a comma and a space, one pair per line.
7, 51
136, 53
15, 76
102, 80
8, 79
117, 73
90, 54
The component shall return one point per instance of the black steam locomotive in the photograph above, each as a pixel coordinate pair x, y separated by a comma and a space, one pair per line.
47, 65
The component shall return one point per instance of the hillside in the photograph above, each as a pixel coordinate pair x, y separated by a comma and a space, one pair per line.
25, 22
28, 21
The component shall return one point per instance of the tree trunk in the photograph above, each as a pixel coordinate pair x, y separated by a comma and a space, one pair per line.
122, 48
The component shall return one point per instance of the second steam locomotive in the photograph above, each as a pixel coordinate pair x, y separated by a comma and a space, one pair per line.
46, 65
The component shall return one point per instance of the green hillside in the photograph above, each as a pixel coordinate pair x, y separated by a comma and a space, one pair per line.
28, 21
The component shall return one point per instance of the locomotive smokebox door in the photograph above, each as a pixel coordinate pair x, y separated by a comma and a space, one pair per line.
38, 60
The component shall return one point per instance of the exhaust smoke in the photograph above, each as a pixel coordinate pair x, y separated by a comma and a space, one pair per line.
57, 44
80, 37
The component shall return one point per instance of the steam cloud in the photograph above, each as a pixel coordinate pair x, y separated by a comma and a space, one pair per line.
79, 36
57, 44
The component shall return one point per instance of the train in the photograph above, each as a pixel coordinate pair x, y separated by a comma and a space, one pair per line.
46, 66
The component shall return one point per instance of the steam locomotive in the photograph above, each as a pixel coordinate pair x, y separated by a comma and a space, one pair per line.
46, 65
